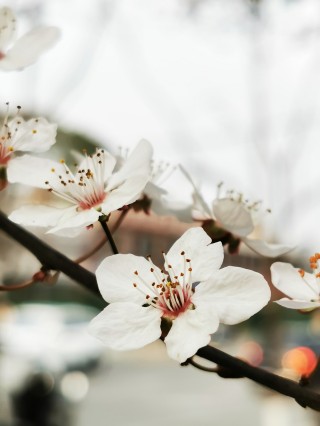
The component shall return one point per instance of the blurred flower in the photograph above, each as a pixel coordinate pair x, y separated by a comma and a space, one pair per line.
303, 288
155, 197
236, 215
191, 296
26, 50
18, 135
93, 190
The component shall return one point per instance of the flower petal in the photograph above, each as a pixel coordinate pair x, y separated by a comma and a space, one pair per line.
72, 218
8, 28
33, 171
116, 275
267, 249
126, 193
29, 47
36, 135
297, 304
287, 279
233, 216
36, 215
137, 164
126, 326
235, 293
189, 332
205, 257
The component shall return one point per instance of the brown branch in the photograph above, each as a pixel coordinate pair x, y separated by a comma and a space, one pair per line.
52, 259
304, 397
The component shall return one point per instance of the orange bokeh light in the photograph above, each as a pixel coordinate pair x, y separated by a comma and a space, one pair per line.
301, 360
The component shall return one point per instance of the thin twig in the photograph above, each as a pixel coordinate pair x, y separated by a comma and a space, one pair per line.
14, 287
109, 235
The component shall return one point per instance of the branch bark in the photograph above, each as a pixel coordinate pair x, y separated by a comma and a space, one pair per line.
52, 259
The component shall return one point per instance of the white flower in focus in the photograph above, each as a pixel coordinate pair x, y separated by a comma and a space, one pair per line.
301, 287
190, 294
18, 54
93, 190
236, 215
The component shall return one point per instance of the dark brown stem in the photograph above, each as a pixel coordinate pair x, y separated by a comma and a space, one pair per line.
50, 258
106, 229
305, 397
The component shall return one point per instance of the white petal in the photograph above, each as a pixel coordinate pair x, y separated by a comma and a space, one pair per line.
73, 218
126, 193
235, 293
36, 135
164, 207
7, 28
126, 326
33, 171
267, 249
137, 164
205, 257
189, 332
233, 216
287, 279
116, 275
29, 47
36, 215
297, 304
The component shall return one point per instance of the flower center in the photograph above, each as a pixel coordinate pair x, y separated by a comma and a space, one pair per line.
85, 188
315, 266
169, 292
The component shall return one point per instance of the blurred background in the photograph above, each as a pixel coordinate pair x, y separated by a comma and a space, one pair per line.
230, 90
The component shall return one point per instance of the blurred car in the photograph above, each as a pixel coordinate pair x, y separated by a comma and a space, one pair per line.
51, 337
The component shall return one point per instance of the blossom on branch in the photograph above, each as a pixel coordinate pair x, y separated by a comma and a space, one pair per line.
301, 287
92, 191
190, 296
18, 54
235, 215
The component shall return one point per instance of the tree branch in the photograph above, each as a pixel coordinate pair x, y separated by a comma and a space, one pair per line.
49, 257
52, 259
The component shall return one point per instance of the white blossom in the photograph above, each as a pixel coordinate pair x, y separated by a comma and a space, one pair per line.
301, 287
191, 294
235, 214
20, 53
91, 191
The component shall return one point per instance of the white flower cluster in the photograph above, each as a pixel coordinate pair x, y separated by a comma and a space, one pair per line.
184, 302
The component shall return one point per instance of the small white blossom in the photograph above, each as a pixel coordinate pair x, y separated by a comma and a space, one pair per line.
235, 214
301, 287
17, 135
155, 197
91, 191
18, 54
190, 294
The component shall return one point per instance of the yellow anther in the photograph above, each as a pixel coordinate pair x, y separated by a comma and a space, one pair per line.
62, 161
34, 131
53, 170
301, 272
